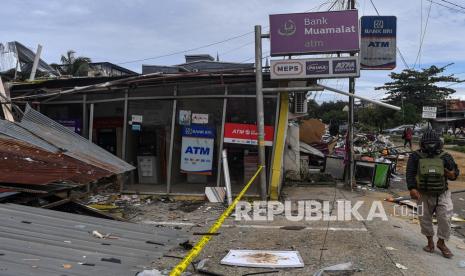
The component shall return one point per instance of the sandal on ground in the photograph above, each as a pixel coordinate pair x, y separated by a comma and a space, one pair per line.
446, 252
428, 249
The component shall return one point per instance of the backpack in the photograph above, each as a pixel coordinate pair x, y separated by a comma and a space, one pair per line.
430, 175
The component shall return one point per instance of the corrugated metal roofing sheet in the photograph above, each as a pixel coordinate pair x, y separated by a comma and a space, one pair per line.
36, 241
26, 164
11, 129
74, 145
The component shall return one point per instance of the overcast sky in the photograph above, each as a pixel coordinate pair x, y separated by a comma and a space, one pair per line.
119, 31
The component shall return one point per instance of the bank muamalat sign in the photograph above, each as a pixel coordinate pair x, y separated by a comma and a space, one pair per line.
313, 33
315, 68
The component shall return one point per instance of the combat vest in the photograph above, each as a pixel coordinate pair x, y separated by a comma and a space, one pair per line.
430, 175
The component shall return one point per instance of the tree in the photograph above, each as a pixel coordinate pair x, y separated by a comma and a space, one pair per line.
419, 87
71, 65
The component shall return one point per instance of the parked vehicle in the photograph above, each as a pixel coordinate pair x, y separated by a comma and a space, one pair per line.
417, 130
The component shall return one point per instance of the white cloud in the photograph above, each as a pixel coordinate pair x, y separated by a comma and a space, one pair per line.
121, 30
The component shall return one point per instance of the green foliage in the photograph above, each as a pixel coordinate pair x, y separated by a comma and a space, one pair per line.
375, 117
448, 139
71, 65
327, 111
459, 148
418, 87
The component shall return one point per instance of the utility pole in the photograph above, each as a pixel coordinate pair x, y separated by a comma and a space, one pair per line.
260, 113
351, 5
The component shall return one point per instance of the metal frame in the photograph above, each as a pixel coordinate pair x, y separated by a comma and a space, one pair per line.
260, 113
221, 143
125, 125
85, 121
170, 154
158, 98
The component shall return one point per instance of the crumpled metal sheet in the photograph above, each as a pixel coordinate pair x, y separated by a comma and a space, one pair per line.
71, 143
23, 163
12, 130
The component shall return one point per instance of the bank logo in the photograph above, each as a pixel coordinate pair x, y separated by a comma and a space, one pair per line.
378, 24
289, 28
317, 67
344, 66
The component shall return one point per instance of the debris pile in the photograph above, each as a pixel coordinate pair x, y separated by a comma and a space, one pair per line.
42, 158
376, 156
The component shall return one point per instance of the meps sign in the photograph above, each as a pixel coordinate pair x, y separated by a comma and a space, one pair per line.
315, 68
197, 149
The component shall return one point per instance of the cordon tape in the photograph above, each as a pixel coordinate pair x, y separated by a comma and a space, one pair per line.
195, 251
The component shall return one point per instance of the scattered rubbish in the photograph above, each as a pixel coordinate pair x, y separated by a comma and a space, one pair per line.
461, 264
461, 199
67, 241
157, 243
215, 194
335, 268
200, 267
27, 222
390, 248
103, 207
461, 246
263, 258
111, 260
293, 227
87, 264
99, 235
457, 219
152, 272
205, 234
261, 272
397, 226
171, 256
401, 266
67, 266
96, 234
186, 245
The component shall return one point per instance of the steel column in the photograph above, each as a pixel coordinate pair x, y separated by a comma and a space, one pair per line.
170, 153
260, 112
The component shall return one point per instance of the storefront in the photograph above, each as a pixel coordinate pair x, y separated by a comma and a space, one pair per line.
173, 131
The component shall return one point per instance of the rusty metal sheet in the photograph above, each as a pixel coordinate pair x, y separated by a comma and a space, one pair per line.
23, 163
73, 144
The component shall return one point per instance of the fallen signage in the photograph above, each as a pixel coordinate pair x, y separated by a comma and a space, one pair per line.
314, 33
197, 150
378, 42
315, 68
263, 258
246, 134
429, 112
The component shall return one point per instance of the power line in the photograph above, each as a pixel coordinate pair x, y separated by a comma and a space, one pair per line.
454, 4
188, 50
448, 7
398, 50
423, 36
205, 46
237, 48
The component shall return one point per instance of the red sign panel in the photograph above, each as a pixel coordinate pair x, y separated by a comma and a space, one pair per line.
246, 134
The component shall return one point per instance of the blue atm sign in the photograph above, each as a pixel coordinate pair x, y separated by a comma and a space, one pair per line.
378, 42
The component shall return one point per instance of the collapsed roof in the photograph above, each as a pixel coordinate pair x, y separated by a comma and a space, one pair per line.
16, 56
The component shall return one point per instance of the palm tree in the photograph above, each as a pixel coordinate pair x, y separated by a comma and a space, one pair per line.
74, 66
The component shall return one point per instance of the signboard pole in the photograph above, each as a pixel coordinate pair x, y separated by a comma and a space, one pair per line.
260, 114
351, 121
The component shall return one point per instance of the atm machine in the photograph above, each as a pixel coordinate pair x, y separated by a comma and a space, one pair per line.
147, 161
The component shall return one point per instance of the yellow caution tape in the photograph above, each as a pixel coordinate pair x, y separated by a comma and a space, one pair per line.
195, 251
